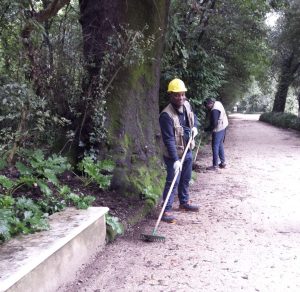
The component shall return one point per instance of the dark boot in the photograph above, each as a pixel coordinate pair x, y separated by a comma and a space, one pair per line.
222, 165
168, 217
213, 168
188, 207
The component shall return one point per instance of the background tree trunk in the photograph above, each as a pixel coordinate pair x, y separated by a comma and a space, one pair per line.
281, 94
298, 98
289, 68
285, 81
133, 103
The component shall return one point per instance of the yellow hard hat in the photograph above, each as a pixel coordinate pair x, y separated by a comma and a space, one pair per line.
176, 85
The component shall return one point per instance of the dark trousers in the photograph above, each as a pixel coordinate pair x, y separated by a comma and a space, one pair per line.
182, 182
218, 147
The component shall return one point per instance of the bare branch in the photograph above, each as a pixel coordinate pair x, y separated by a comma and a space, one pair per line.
51, 10
44, 15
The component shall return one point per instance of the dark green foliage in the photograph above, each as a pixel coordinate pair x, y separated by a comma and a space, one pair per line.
114, 227
45, 168
39, 177
80, 201
98, 172
25, 118
6, 182
48, 100
3, 163
20, 215
185, 58
150, 194
215, 47
282, 120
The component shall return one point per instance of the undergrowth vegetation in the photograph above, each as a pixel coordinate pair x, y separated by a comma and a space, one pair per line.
282, 120
114, 227
33, 189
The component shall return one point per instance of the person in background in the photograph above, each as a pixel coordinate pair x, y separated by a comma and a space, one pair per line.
177, 123
217, 126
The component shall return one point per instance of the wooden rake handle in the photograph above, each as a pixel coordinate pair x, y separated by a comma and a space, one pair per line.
172, 186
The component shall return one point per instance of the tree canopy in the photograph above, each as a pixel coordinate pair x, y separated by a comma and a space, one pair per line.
286, 47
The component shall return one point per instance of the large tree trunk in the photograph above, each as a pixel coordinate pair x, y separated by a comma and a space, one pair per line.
98, 19
298, 98
285, 81
132, 106
289, 68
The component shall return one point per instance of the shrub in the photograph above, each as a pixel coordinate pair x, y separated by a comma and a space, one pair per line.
35, 192
113, 227
98, 172
283, 120
20, 215
25, 119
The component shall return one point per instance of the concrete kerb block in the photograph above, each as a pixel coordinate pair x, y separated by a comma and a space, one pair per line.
45, 260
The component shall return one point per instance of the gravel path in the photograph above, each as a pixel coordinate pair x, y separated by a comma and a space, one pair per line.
246, 236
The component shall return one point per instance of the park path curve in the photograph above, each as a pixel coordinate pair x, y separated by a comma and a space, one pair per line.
246, 236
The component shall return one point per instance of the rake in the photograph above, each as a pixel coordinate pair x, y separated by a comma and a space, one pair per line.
153, 236
196, 154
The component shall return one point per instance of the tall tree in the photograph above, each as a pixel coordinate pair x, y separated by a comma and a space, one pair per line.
298, 99
130, 92
289, 66
287, 47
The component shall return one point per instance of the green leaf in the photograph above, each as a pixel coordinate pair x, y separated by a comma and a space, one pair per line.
114, 227
24, 170
107, 165
44, 188
64, 190
93, 171
80, 201
4, 231
6, 201
28, 180
6, 182
3, 164
49, 174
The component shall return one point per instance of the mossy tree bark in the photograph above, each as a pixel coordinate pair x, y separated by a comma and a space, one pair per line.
288, 70
132, 106
97, 19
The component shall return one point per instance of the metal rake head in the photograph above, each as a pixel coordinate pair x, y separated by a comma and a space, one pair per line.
152, 238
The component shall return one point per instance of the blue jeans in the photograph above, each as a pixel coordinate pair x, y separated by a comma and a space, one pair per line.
182, 181
218, 147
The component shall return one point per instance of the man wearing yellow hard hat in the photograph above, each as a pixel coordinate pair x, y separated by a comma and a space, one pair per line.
178, 123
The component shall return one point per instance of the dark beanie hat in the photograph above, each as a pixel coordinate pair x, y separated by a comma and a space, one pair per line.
208, 101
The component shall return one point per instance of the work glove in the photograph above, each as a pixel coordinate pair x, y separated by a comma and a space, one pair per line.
194, 132
177, 166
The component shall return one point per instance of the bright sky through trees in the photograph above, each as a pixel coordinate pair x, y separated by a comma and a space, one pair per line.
271, 18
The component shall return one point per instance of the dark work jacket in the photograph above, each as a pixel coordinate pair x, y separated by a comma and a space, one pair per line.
214, 117
167, 131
